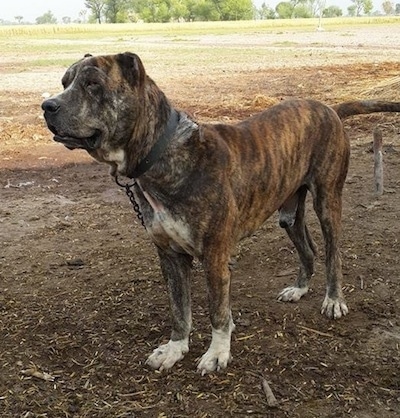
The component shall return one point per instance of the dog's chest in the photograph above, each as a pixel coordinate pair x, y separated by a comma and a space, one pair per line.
167, 231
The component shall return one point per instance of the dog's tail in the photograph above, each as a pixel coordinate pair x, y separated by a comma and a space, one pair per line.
362, 107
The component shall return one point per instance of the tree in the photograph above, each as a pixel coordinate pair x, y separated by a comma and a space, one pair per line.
319, 11
179, 10
66, 20
97, 8
301, 11
368, 6
294, 9
82, 16
351, 10
116, 10
205, 10
47, 18
397, 9
154, 11
315, 6
266, 12
388, 7
332, 11
284, 10
18, 19
237, 9
360, 5
300, 6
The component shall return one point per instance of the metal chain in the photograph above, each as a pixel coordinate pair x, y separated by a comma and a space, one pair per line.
131, 196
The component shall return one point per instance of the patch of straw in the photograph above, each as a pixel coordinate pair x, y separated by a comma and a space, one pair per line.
386, 90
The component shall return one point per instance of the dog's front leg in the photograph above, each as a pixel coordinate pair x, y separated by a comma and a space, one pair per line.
176, 269
218, 354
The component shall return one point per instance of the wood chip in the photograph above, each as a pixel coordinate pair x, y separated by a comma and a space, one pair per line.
324, 334
271, 400
33, 372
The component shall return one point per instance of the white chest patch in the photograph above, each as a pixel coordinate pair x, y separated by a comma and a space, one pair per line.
167, 231
176, 232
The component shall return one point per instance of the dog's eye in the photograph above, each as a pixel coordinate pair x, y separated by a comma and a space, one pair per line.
65, 82
92, 85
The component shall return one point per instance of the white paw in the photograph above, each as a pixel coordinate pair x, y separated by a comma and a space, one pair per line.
334, 308
214, 360
218, 355
166, 355
292, 293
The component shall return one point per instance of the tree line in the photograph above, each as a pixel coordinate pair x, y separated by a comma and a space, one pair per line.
122, 11
118, 11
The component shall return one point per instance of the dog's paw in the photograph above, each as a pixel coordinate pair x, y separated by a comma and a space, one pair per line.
166, 355
218, 354
292, 293
334, 308
214, 360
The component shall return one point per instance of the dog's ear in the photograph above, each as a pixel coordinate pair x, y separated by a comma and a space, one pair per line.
132, 68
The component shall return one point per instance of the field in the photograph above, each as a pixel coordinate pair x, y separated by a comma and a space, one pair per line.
82, 300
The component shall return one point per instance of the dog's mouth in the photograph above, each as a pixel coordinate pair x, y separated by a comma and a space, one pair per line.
90, 143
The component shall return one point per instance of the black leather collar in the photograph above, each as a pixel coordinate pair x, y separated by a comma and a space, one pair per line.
159, 147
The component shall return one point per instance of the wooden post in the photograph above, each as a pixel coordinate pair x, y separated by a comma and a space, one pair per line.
378, 162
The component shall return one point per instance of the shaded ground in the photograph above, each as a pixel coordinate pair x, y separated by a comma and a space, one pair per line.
82, 301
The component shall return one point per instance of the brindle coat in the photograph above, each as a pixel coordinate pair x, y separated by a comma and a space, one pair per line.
213, 184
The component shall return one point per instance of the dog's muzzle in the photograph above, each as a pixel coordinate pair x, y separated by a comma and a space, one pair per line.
52, 109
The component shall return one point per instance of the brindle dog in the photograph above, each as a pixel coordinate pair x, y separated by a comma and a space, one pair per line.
203, 187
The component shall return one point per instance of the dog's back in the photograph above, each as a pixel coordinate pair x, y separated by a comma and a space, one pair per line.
269, 156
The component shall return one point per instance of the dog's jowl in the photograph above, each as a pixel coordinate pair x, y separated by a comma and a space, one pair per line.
203, 187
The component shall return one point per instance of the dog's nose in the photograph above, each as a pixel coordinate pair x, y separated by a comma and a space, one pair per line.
50, 105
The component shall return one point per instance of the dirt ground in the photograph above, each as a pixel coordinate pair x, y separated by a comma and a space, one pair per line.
82, 300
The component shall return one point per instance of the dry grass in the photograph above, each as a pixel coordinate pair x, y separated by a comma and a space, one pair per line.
189, 28
388, 89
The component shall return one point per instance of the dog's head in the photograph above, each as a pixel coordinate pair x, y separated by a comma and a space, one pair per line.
99, 107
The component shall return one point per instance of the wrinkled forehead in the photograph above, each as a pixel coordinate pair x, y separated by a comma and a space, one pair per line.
92, 66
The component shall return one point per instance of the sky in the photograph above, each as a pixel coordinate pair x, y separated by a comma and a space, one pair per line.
31, 9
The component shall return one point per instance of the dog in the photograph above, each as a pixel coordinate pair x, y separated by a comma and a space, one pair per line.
201, 188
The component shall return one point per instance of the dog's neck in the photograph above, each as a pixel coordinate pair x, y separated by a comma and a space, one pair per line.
159, 146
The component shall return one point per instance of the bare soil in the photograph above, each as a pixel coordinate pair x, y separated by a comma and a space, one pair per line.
82, 300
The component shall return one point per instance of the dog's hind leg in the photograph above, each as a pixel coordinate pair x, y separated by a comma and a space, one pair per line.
176, 269
298, 232
328, 206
